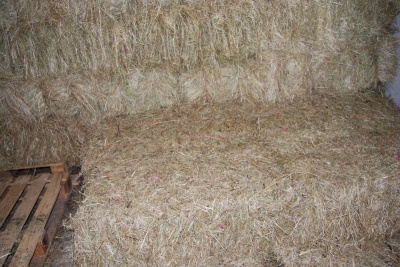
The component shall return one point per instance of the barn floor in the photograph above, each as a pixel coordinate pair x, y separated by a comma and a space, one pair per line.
60, 253
308, 183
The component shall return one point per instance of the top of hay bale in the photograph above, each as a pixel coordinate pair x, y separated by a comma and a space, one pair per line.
308, 183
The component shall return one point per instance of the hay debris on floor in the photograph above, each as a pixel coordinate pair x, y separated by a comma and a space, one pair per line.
312, 183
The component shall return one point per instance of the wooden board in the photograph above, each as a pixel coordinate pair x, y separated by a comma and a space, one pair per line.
55, 167
31, 210
52, 224
34, 230
9, 235
11, 197
5, 178
3, 188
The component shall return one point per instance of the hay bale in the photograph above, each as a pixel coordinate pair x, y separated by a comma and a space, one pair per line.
355, 59
153, 89
97, 59
354, 70
73, 36
7, 14
46, 141
41, 120
386, 53
211, 84
87, 98
82, 97
311, 183
280, 76
21, 102
112, 38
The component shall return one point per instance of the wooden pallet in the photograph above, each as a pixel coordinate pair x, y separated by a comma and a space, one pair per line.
31, 209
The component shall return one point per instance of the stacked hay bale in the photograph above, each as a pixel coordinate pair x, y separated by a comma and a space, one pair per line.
91, 59
313, 183
310, 184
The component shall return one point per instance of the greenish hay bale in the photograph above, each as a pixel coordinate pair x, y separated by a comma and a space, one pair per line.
46, 141
310, 183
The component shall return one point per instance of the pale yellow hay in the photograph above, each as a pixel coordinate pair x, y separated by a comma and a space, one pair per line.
313, 183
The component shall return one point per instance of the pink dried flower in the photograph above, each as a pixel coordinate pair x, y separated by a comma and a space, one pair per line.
154, 178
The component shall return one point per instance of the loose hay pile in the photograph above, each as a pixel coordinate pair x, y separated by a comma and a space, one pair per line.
312, 183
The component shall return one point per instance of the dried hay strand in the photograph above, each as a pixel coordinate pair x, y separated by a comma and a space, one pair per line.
7, 14
45, 141
310, 183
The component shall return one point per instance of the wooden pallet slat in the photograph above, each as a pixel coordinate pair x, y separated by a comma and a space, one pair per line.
29, 218
53, 223
54, 167
34, 231
3, 188
21, 214
12, 197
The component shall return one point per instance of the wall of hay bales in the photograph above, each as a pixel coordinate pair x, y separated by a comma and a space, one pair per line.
85, 60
